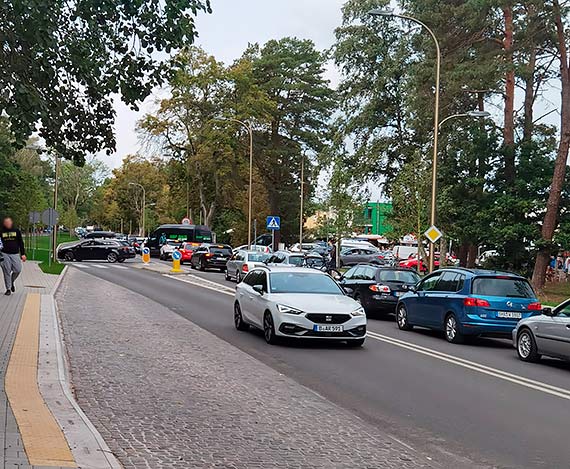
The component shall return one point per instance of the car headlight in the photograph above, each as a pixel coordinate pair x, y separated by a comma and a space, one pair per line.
359, 312
288, 309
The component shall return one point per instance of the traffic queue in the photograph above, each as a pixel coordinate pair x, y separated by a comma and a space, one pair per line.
296, 293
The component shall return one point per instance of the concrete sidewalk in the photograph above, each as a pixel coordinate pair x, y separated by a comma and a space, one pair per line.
41, 424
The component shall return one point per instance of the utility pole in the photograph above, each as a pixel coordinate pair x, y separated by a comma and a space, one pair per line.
302, 197
55, 188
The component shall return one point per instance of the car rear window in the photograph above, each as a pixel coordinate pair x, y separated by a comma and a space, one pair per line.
501, 286
221, 251
257, 257
401, 276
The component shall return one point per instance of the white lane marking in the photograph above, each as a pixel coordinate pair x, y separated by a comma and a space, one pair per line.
81, 266
100, 266
121, 267
213, 285
516, 379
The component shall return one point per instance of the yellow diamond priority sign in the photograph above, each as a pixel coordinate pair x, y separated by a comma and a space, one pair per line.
433, 234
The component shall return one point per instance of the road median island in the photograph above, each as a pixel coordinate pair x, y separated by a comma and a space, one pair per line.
165, 392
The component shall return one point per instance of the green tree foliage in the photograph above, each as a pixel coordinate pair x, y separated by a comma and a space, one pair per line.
63, 61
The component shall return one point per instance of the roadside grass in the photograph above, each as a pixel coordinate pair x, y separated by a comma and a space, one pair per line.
555, 293
37, 249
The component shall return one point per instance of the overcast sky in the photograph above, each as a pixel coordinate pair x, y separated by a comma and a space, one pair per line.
226, 33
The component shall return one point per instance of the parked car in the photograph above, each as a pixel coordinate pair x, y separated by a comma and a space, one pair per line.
376, 288
168, 248
305, 247
97, 249
253, 247
286, 258
545, 334
297, 303
211, 256
137, 243
187, 251
356, 255
242, 262
468, 302
314, 260
412, 263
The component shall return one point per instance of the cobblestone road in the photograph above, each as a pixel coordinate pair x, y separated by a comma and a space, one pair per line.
165, 393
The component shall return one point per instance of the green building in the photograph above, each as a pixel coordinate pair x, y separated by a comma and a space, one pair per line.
376, 218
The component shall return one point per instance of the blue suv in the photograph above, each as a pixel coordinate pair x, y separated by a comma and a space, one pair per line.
467, 302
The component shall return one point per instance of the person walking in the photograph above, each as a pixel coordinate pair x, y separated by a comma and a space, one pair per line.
14, 253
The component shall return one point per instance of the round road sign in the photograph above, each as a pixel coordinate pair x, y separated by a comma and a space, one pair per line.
176, 255
146, 251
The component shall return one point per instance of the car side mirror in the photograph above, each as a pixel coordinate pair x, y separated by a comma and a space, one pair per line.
348, 291
548, 311
258, 289
411, 288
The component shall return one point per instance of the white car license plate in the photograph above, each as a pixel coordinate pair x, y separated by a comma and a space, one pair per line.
509, 315
328, 328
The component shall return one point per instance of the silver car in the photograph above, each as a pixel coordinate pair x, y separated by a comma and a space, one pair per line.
242, 262
297, 303
546, 334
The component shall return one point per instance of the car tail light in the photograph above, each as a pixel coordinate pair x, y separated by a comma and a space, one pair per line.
534, 307
209, 255
380, 257
245, 268
380, 288
476, 302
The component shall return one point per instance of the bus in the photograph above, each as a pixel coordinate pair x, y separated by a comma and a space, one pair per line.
180, 233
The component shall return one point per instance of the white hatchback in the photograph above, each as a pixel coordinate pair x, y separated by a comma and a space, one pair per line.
297, 303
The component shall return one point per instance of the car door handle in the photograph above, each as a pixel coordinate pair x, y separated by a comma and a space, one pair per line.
250, 297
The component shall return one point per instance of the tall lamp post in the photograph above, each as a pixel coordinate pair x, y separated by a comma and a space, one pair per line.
249, 129
301, 218
392, 14
143, 204
481, 114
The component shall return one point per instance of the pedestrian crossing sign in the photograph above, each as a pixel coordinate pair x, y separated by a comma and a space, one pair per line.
273, 223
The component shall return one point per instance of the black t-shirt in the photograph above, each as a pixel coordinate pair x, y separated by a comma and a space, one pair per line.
12, 241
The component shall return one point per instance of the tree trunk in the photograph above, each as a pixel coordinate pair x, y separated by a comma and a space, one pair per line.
471, 255
462, 254
509, 125
553, 205
529, 97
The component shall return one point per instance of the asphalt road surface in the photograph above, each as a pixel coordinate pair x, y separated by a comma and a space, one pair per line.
463, 405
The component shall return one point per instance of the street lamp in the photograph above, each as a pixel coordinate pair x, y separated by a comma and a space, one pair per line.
390, 13
475, 114
143, 204
249, 129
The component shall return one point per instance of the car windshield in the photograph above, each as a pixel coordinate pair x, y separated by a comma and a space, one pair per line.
297, 282
399, 276
501, 286
257, 257
296, 260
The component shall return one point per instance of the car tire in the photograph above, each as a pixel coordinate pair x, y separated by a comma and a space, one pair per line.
112, 257
526, 346
269, 329
355, 343
227, 276
68, 257
202, 265
451, 330
402, 318
239, 323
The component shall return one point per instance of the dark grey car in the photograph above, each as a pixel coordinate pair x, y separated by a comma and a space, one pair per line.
545, 334
357, 255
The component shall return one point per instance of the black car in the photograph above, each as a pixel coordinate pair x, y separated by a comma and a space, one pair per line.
378, 288
100, 235
211, 256
109, 250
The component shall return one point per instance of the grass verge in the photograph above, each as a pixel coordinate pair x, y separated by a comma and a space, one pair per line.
555, 293
37, 249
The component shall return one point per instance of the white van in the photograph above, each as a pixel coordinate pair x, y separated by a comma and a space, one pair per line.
404, 252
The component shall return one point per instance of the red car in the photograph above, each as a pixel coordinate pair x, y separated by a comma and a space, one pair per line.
187, 249
413, 264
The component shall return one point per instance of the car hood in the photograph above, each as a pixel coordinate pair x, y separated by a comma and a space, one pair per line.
313, 303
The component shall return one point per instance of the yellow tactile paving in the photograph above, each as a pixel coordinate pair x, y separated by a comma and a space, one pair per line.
43, 439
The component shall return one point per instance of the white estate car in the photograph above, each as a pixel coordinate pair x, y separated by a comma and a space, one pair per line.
168, 248
298, 303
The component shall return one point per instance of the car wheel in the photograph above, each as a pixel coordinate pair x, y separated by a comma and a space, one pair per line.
202, 265
68, 256
238, 319
269, 328
112, 257
227, 276
526, 347
402, 318
238, 276
452, 333
355, 343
